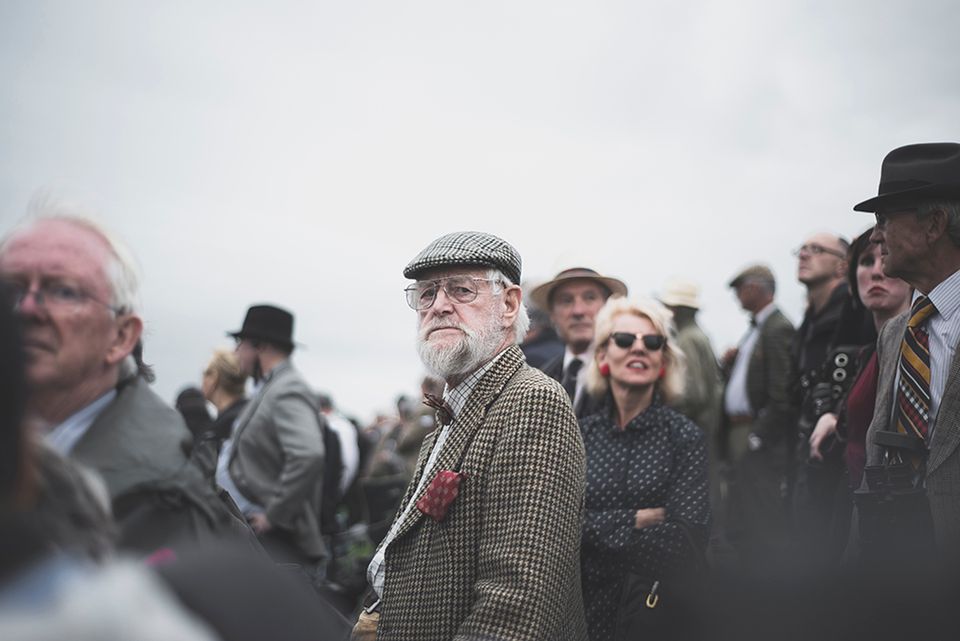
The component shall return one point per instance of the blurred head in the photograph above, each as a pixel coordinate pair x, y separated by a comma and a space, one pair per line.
573, 309
223, 373
820, 259
635, 341
74, 289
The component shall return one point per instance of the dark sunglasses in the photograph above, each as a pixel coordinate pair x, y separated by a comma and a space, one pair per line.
625, 340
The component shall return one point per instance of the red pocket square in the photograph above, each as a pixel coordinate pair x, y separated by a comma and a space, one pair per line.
440, 494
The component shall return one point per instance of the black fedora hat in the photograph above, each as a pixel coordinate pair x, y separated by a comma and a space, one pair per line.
267, 323
915, 173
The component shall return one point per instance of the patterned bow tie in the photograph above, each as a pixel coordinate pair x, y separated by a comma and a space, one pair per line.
444, 411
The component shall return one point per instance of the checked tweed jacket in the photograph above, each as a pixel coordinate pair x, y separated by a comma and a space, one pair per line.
943, 462
505, 562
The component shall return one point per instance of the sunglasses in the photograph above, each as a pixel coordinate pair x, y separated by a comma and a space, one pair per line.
625, 340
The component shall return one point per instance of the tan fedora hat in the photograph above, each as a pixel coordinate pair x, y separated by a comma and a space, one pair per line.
541, 294
681, 293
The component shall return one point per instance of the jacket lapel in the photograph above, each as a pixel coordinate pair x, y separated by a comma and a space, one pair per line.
888, 356
251, 407
465, 426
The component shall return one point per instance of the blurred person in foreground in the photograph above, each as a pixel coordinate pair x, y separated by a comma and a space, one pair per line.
75, 291
486, 542
646, 462
573, 298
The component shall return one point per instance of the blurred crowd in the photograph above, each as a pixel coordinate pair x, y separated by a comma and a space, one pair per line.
580, 464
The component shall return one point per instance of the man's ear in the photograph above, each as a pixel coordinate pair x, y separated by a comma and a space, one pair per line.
512, 300
128, 332
934, 225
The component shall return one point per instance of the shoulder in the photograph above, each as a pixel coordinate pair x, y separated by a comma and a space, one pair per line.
288, 382
529, 382
682, 429
138, 404
554, 367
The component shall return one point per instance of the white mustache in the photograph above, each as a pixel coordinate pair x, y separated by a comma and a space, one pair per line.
427, 329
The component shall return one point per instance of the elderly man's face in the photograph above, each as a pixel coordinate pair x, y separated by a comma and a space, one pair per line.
573, 311
821, 258
902, 241
458, 337
71, 335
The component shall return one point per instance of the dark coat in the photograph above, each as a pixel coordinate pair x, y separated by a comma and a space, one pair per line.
587, 404
137, 446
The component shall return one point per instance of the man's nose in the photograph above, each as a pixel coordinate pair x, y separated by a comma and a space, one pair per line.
442, 303
29, 302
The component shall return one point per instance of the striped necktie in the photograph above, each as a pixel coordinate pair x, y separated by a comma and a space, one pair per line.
912, 414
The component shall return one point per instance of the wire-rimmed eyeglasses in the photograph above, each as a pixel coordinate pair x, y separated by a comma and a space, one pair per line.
460, 289
53, 295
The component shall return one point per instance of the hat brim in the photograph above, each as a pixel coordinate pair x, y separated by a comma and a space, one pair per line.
907, 197
541, 294
679, 301
279, 340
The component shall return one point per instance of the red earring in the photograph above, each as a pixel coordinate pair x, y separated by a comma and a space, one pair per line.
663, 370
604, 370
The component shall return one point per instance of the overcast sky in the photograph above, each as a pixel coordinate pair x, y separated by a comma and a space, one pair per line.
301, 153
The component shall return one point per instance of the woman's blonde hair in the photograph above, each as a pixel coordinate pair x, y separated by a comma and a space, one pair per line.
226, 367
674, 362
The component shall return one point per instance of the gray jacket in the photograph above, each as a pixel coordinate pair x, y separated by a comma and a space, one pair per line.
277, 456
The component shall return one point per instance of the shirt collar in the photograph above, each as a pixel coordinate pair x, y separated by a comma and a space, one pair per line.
945, 296
586, 356
64, 436
457, 397
764, 314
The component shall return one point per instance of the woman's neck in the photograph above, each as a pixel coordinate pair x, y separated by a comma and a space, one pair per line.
221, 400
630, 401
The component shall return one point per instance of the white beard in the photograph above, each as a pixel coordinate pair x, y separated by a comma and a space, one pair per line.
467, 355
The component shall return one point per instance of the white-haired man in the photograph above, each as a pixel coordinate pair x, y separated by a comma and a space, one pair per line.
75, 290
487, 538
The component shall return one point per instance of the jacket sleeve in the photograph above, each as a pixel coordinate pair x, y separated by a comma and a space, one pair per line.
780, 413
529, 547
698, 389
301, 441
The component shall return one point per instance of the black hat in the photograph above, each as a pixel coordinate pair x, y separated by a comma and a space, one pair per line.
917, 172
467, 248
267, 323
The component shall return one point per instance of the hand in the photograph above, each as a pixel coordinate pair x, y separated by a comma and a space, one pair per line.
259, 522
826, 426
754, 442
649, 516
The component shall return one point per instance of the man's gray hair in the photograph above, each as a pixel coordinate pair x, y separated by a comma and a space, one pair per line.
522, 323
121, 270
951, 208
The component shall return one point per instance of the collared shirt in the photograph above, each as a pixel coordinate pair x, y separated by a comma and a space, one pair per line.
586, 357
456, 398
223, 477
64, 436
735, 400
943, 327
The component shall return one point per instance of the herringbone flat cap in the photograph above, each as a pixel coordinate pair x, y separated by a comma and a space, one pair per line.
468, 248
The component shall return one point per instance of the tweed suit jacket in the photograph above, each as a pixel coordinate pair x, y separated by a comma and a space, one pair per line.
768, 379
277, 456
505, 562
943, 462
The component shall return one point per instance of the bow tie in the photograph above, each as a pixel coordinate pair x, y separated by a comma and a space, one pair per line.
444, 411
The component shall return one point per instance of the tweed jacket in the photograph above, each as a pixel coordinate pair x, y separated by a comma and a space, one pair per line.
769, 375
505, 562
137, 446
586, 404
943, 462
277, 456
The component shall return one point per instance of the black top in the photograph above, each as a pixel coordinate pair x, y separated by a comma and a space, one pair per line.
658, 460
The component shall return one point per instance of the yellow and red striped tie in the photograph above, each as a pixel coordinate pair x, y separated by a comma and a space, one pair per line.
912, 415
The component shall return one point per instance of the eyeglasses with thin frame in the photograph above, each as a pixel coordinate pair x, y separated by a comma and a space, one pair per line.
54, 295
625, 340
460, 289
815, 250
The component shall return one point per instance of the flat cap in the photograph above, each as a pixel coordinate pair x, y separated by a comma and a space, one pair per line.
467, 248
758, 272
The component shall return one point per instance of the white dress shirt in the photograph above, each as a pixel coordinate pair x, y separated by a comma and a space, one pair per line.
735, 400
